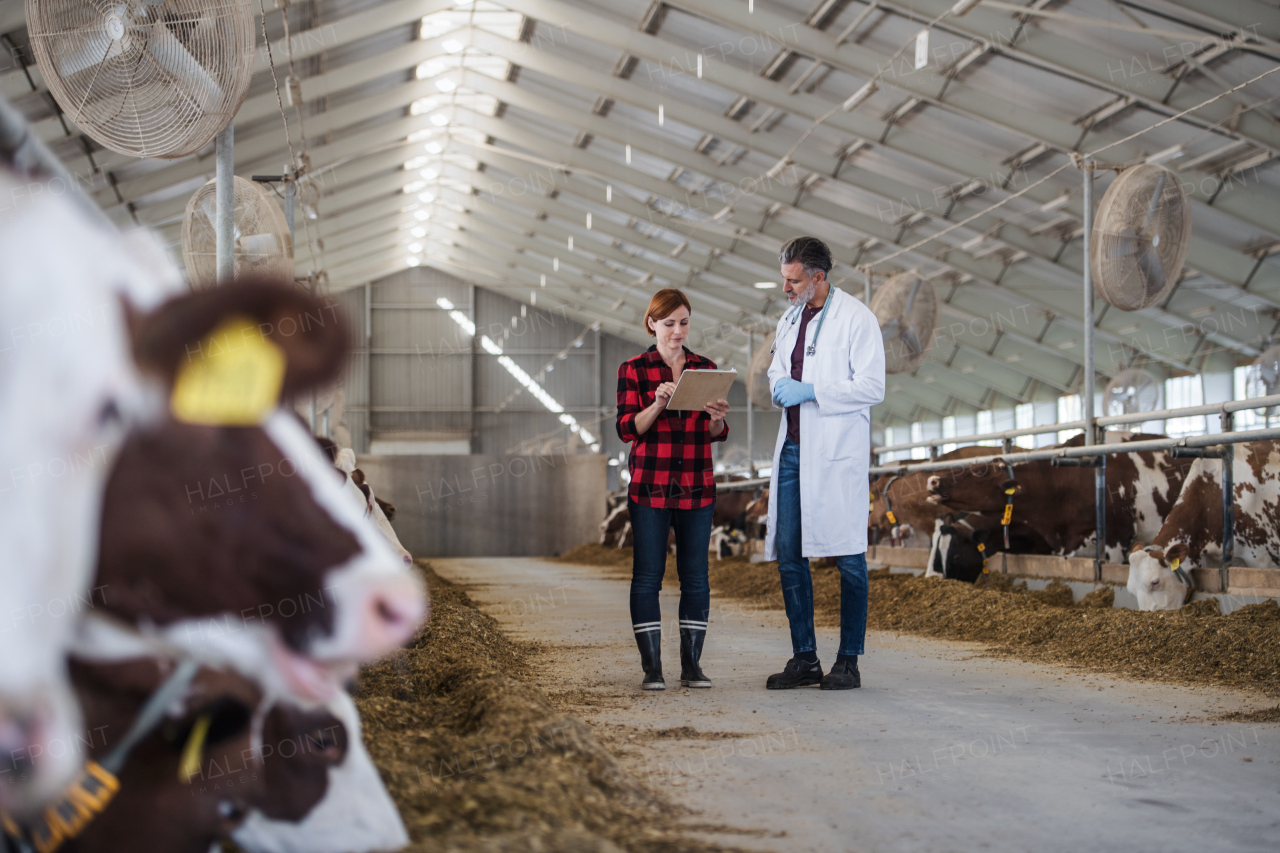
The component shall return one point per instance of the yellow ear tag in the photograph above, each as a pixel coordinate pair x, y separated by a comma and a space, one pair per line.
1011, 490
1173, 565
981, 547
233, 378
889, 515
193, 752
1008, 514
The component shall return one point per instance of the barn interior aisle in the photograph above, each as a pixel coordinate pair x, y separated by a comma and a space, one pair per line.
943, 748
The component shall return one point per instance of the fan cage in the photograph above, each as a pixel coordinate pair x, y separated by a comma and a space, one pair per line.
906, 307
147, 78
262, 242
1140, 237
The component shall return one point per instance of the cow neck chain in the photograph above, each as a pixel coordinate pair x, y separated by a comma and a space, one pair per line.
98, 781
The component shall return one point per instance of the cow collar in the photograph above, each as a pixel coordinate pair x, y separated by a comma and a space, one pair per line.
98, 781
1175, 566
1008, 503
888, 507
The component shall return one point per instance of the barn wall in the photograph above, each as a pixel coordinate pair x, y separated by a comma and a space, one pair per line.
489, 504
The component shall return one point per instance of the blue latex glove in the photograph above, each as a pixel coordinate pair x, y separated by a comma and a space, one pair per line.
788, 392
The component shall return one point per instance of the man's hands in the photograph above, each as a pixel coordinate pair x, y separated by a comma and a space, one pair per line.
788, 392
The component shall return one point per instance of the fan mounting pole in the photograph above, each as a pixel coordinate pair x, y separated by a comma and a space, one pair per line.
1087, 386
225, 195
751, 421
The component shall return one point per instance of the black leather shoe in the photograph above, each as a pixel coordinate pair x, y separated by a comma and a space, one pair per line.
843, 676
798, 673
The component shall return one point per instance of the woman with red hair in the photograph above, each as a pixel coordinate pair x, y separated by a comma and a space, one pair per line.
672, 486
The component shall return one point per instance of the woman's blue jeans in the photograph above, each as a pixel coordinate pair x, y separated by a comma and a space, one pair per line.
649, 528
797, 582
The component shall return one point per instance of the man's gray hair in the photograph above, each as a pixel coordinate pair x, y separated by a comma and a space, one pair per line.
810, 252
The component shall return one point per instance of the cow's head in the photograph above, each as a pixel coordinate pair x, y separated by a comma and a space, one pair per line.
68, 387
976, 488
225, 533
207, 765
1152, 577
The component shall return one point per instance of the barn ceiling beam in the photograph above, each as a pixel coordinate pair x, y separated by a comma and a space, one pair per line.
856, 59
1077, 59
885, 193
1059, 134
838, 217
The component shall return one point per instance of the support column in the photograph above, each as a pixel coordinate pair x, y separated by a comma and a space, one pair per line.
751, 413
225, 203
1087, 386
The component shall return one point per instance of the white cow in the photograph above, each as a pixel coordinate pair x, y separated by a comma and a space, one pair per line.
1191, 536
68, 387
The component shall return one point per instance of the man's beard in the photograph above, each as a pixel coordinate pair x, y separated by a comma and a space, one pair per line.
804, 297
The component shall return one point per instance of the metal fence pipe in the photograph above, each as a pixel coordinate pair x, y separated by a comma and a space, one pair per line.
1271, 434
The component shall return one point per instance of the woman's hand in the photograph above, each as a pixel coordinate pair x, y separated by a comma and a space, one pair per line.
663, 395
718, 411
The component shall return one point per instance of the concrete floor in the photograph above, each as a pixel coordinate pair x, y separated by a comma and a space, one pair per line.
941, 750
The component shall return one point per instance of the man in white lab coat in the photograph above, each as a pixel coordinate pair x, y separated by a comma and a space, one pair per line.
827, 373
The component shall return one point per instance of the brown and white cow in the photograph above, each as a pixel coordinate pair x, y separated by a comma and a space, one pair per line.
1191, 536
235, 544
1058, 503
205, 765
906, 497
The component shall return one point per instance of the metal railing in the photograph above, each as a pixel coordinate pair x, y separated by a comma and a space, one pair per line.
1112, 420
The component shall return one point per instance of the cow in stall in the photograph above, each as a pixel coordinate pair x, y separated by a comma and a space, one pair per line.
68, 391
901, 512
964, 542
1191, 536
615, 530
1058, 503
359, 491
227, 543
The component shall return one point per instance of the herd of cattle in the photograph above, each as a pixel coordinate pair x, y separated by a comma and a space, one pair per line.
1164, 513
191, 582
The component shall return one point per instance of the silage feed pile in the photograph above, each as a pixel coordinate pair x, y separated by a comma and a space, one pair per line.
1195, 644
477, 759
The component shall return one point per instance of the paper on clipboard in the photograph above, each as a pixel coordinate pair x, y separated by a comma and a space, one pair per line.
696, 388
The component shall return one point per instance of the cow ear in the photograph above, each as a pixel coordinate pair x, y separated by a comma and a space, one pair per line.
309, 330
1137, 546
1177, 552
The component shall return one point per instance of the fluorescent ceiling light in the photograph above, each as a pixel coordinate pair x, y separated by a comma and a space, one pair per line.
433, 147
422, 215
413, 187
429, 174
426, 197
444, 84
412, 261
452, 46
415, 163
415, 247
439, 119
418, 232
445, 303
765, 285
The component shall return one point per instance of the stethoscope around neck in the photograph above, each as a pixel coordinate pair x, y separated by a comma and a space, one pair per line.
793, 314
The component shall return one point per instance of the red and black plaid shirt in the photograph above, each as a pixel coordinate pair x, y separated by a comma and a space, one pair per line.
671, 463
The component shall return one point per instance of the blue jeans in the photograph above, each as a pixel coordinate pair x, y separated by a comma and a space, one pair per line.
797, 583
649, 527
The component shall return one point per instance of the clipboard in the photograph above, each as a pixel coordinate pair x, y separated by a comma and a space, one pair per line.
696, 388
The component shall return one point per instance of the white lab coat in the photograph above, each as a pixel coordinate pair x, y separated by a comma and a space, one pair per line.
847, 374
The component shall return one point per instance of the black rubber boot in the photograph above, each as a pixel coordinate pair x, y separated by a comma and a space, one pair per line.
691, 674
650, 643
